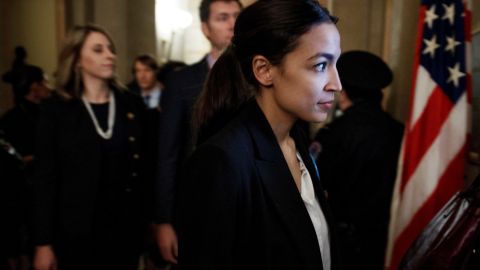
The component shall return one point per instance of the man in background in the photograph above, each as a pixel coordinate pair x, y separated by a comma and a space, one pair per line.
175, 136
145, 70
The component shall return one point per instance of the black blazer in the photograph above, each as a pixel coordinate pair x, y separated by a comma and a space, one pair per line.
175, 135
358, 165
67, 165
239, 207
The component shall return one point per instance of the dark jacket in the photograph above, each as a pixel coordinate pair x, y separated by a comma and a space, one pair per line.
14, 201
68, 166
239, 207
358, 164
175, 134
19, 126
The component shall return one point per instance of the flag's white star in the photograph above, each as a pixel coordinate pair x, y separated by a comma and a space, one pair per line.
455, 74
451, 44
449, 12
430, 16
432, 45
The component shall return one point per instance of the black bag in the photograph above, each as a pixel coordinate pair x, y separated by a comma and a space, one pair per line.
452, 239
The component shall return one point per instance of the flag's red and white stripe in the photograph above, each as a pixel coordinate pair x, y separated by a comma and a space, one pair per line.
432, 161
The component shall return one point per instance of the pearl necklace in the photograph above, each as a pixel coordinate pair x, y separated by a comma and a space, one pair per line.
111, 117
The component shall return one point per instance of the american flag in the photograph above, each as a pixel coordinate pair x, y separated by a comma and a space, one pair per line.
432, 161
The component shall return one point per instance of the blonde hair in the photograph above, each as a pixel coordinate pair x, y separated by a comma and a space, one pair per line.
68, 77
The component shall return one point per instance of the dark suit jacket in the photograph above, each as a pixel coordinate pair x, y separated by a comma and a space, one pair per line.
175, 135
14, 201
68, 167
358, 166
239, 207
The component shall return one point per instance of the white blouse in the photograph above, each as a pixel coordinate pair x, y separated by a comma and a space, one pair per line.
316, 214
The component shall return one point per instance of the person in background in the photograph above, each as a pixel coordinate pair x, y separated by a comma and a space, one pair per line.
148, 83
167, 68
175, 135
19, 122
149, 79
89, 186
250, 197
19, 62
14, 202
358, 160
18, 129
14, 75
145, 70
145, 84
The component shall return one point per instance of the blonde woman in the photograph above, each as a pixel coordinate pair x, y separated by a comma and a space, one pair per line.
88, 185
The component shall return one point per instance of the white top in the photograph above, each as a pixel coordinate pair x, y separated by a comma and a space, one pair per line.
152, 98
316, 214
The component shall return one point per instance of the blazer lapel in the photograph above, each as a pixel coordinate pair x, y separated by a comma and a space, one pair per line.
319, 191
308, 161
281, 189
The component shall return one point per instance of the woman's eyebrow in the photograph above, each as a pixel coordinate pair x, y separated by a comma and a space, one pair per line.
329, 56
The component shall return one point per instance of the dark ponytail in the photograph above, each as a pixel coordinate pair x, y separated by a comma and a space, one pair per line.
268, 28
225, 90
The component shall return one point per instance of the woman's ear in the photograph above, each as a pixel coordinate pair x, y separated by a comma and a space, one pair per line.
262, 69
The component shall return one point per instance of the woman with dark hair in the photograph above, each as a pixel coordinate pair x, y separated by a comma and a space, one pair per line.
250, 197
88, 186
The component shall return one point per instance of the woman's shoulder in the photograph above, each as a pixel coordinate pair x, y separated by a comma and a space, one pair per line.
58, 101
234, 138
230, 145
231, 137
129, 98
228, 150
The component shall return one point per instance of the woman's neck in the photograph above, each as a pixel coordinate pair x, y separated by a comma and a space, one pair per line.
279, 120
96, 90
